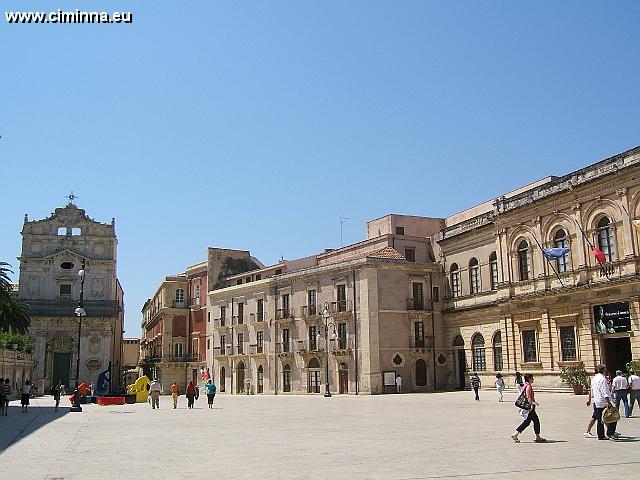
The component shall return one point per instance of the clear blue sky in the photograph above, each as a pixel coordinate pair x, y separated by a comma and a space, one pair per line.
256, 125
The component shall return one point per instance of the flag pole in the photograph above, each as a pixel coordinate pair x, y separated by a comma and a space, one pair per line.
548, 261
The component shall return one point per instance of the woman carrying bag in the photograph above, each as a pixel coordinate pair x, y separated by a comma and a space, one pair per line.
527, 401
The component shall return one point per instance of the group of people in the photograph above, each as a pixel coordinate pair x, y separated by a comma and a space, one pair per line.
28, 390
605, 394
192, 393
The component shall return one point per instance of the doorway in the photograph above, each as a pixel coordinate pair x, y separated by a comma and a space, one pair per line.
61, 368
616, 353
462, 369
240, 378
343, 376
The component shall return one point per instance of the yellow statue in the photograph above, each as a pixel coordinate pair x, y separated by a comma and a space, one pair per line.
141, 388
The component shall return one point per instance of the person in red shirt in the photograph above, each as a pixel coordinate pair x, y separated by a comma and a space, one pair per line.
191, 394
175, 391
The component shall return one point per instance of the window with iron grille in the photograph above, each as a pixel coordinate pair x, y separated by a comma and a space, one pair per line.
455, 281
342, 298
342, 336
523, 260
606, 239
285, 339
240, 343
479, 356
418, 334
568, 343
259, 341
223, 345
313, 343
497, 352
474, 276
529, 346
312, 302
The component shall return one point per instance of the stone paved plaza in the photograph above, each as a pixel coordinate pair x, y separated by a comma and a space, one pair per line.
409, 436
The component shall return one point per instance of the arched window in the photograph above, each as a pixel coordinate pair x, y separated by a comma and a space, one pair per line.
560, 240
286, 378
479, 358
178, 351
493, 267
179, 295
260, 379
524, 261
314, 363
455, 280
497, 351
421, 373
458, 341
606, 239
313, 382
474, 276
223, 378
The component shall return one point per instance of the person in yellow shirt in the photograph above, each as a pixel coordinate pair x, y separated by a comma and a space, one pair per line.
175, 391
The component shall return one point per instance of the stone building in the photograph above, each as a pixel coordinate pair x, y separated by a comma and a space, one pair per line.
53, 252
270, 334
507, 308
130, 360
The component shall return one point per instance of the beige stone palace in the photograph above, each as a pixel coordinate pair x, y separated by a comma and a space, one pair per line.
431, 300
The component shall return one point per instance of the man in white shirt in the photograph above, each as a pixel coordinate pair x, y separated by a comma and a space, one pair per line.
634, 394
154, 390
601, 395
620, 389
399, 384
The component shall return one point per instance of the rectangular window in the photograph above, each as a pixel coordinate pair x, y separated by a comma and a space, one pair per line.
194, 346
410, 254
239, 281
455, 284
240, 343
418, 298
529, 346
399, 230
286, 380
208, 344
258, 277
285, 305
247, 280
285, 340
240, 313
342, 336
260, 309
179, 296
568, 343
65, 290
435, 294
223, 315
313, 341
208, 316
223, 345
474, 279
259, 341
418, 331
342, 298
497, 357
314, 381
312, 302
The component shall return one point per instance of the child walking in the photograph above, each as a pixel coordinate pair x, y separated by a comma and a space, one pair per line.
500, 386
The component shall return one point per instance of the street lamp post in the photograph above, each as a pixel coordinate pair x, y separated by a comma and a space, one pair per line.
80, 313
326, 314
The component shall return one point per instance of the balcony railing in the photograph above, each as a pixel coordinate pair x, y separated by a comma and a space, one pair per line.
256, 349
340, 306
284, 313
181, 358
219, 322
421, 342
416, 304
256, 317
310, 310
239, 349
238, 320
284, 347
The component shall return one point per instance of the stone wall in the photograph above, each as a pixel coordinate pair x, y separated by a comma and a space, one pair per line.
18, 367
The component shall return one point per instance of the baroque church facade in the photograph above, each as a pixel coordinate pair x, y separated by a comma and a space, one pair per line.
54, 250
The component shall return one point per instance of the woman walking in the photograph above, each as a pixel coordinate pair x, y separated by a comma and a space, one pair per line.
26, 393
191, 394
499, 385
532, 415
211, 392
57, 391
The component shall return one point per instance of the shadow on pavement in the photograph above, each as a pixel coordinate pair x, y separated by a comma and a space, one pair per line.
17, 425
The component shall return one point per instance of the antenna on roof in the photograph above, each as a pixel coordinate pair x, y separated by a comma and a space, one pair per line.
71, 197
342, 220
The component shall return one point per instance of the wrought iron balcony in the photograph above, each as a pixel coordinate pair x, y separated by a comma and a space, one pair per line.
284, 313
310, 310
238, 320
421, 342
256, 317
256, 349
417, 304
340, 306
219, 322
284, 347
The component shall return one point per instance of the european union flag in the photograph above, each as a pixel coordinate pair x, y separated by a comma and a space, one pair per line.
554, 253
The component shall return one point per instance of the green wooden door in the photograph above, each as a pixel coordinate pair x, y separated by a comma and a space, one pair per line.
61, 367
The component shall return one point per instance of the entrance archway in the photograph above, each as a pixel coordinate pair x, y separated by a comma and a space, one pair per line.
240, 378
313, 382
461, 361
421, 373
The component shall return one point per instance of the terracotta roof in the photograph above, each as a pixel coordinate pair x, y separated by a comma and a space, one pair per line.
385, 252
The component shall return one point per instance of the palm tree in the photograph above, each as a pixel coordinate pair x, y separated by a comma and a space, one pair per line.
14, 313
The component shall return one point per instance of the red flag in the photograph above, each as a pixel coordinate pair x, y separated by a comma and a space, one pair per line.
599, 254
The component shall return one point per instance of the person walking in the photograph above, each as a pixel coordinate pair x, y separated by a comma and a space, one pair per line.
57, 391
620, 385
211, 392
634, 390
6, 393
1, 398
500, 386
519, 382
24, 398
475, 383
191, 394
398, 384
154, 391
175, 391
601, 395
532, 416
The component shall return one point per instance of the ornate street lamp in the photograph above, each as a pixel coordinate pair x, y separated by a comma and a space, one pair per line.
326, 314
79, 313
